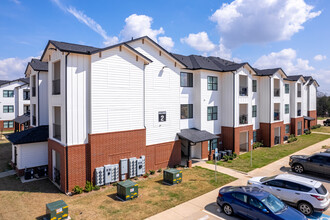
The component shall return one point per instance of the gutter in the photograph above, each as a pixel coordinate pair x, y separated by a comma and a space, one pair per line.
233, 111
270, 114
66, 122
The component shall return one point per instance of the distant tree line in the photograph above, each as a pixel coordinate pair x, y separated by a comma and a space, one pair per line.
323, 105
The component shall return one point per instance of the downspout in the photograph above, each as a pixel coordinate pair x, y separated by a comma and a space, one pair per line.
233, 110
38, 102
144, 96
66, 122
270, 114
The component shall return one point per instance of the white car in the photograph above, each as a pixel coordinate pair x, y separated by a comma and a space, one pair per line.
306, 194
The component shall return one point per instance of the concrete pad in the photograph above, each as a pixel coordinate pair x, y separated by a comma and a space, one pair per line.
168, 214
7, 173
186, 209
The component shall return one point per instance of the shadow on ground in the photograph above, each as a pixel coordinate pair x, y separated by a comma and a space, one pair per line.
216, 211
310, 175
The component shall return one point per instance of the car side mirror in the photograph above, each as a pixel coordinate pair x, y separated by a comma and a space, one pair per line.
265, 211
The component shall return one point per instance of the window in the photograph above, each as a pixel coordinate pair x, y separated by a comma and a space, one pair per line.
254, 111
275, 183
186, 79
8, 124
317, 159
240, 196
287, 88
304, 188
8, 93
254, 85
212, 113
212, 83
8, 108
212, 144
26, 109
256, 203
287, 108
186, 111
254, 136
26, 94
287, 129
57, 78
292, 186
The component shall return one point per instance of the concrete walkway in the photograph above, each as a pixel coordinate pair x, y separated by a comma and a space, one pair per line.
7, 173
199, 207
316, 132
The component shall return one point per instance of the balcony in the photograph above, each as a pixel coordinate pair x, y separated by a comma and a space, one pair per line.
276, 115
299, 113
277, 92
56, 86
33, 91
34, 120
299, 94
26, 97
243, 119
243, 91
57, 131
277, 140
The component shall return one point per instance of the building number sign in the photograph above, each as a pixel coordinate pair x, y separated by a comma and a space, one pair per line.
162, 116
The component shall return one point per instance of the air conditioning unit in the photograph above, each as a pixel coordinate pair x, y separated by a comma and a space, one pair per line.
99, 176
123, 169
141, 166
132, 167
28, 173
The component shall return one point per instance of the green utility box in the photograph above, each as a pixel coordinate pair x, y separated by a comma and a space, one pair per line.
127, 190
57, 210
172, 176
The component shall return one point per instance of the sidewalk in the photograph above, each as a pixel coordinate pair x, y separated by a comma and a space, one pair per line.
7, 173
193, 209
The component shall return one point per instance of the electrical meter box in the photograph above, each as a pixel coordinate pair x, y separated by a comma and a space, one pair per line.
57, 210
140, 166
107, 174
123, 168
172, 176
132, 167
99, 176
127, 190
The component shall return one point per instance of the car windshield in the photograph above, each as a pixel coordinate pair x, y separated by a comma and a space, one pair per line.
267, 178
321, 190
274, 204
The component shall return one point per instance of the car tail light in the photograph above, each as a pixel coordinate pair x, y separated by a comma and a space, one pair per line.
320, 198
220, 195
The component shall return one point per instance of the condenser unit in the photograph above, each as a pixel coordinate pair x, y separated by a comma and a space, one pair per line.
132, 167
99, 176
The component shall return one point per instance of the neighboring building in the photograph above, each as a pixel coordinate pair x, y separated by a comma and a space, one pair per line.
14, 99
135, 98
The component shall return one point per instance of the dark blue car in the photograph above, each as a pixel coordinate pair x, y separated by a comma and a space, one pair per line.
254, 203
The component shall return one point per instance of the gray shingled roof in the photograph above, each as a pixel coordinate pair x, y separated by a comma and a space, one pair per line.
306, 78
75, 48
194, 135
32, 135
195, 62
22, 118
38, 65
266, 72
3, 82
294, 77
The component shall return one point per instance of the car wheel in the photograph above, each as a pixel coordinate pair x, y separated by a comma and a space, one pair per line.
227, 209
305, 208
298, 168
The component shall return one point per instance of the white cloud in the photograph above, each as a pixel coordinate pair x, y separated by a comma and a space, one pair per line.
138, 26
320, 57
261, 21
166, 42
13, 68
17, 2
199, 41
83, 18
287, 60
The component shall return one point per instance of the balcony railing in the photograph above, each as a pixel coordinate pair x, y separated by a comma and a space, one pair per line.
276, 115
243, 119
56, 86
26, 97
277, 140
299, 113
299, 131
34, 120
33, 91
299, 94
57, 176
244, 147
243, 91
57, 131
277, 92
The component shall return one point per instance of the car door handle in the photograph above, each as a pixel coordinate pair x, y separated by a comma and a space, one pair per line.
297, 193
278, 189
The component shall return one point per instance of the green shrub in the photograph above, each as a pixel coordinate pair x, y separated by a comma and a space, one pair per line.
225, 158
316, 126
292, 138
257, 144
146, 175
231, 157
96, 188
152, 172
115, 184
307, 131
159, 170
88, 186
234, 155
77, 190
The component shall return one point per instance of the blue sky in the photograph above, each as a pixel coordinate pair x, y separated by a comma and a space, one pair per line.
292, 34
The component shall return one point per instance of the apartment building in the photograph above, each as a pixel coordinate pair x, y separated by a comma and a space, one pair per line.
14, 101
135, 98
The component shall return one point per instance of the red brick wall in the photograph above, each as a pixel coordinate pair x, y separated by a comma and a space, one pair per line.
205, 149
6, 129
294, 125
227, 137
313, 114
53, 145
77, 166
268, 134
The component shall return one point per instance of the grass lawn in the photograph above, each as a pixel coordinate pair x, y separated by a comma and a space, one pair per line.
27, 201
322, 118
5, 154
322, 129
264, 155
